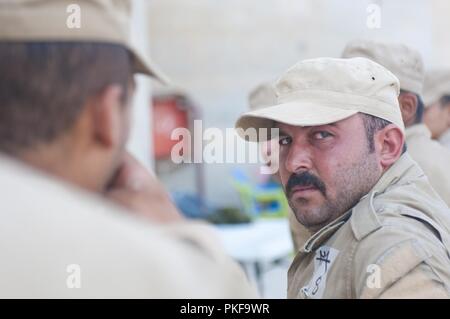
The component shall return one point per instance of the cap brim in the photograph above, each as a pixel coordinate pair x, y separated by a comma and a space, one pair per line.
144, 66
292, 113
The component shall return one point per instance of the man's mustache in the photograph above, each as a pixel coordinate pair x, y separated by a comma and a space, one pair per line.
305, 179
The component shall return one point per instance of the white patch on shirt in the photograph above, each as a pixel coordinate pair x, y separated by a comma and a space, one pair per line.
323, 261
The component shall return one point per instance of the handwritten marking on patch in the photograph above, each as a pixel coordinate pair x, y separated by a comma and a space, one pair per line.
323, 261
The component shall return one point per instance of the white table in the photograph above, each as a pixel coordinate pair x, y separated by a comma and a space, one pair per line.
257, 245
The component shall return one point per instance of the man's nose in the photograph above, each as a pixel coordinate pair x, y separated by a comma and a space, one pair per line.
299, 158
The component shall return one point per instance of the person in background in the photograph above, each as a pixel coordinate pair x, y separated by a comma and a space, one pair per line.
262, 96
81, 218
437, 105
407, 65
378, 228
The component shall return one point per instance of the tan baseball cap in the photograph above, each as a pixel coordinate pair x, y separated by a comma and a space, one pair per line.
103, 21
437, 84
326, 90
405, 62
261, 96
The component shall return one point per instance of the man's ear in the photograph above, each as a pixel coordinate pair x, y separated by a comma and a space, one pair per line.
106, 116
389, 144
408, 105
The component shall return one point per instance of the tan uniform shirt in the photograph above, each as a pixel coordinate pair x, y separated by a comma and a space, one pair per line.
393, 244
299, 233
59, 242
445, 139
432, 157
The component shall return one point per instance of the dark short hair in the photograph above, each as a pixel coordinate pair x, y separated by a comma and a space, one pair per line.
373, 124
44, 86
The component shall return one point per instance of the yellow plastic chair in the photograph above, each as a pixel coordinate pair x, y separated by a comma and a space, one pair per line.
265, 201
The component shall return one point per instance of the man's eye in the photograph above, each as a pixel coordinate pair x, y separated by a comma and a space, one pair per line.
285, 140
321, 135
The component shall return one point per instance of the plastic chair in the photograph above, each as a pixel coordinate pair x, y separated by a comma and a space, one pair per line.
264, 201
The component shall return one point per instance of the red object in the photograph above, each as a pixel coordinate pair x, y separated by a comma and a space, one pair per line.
169, 113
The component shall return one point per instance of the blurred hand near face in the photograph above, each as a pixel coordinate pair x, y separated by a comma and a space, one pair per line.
135, 188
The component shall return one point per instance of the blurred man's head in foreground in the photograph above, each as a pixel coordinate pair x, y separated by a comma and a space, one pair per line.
340, 129
66, 92
65, 107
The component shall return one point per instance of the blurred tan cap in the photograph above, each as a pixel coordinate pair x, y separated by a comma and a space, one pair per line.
326, 90
437, 84
102, 21
261, 96
405, 62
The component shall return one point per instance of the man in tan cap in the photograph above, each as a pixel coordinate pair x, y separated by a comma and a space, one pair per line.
437, 105
407, 65
65, 103
379, 229
262, 96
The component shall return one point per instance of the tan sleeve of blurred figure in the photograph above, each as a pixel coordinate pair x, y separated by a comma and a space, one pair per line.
299, 232
445, 139
65, 238
222, 277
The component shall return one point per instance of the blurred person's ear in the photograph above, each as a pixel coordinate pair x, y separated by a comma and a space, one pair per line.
389, 145
101, 135
408, 106
107, 115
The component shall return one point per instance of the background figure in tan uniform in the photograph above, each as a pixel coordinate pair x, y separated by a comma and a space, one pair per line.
407, 65
379, 229
262, 96
445, 139
81, 218
436, 98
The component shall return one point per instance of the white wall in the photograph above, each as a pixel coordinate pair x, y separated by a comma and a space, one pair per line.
140, 142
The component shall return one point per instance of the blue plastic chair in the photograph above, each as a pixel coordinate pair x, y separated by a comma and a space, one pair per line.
266, 200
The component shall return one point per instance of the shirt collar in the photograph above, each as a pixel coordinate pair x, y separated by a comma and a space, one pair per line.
325, 233
365, 220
